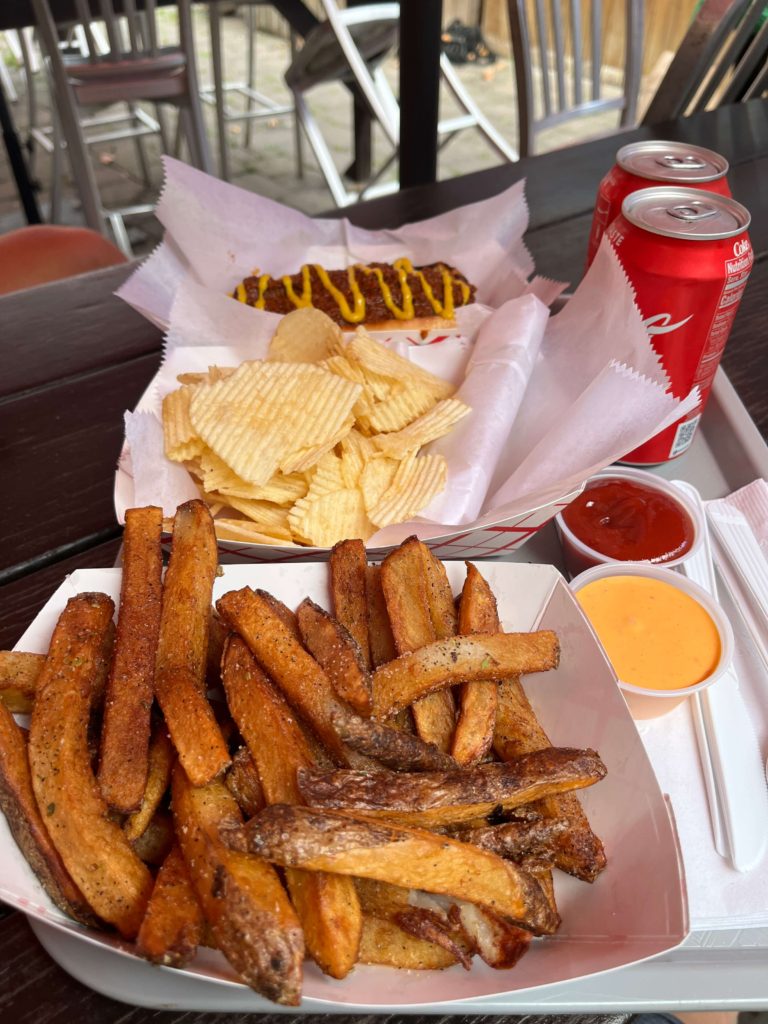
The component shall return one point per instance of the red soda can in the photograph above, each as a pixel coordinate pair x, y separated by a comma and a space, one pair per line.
688, 256
649, 164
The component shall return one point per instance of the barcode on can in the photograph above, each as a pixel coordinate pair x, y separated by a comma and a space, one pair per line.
684, 436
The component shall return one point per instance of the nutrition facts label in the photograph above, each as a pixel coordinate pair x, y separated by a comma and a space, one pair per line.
737, 271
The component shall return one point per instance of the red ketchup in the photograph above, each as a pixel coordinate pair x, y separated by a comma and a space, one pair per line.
627, 522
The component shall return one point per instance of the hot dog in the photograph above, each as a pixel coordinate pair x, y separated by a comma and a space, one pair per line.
379, 296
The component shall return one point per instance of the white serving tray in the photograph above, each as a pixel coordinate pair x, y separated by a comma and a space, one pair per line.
635, 910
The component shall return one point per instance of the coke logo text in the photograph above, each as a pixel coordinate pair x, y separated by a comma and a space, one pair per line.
740, 247
660, 323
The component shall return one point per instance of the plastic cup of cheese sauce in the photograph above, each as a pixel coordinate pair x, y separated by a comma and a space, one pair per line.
638, 517
665, 636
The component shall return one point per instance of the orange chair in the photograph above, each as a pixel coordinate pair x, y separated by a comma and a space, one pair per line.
50, 252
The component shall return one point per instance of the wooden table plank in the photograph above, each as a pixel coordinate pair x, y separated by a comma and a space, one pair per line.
60, 449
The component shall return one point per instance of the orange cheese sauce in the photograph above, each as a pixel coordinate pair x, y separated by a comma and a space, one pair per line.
655, 636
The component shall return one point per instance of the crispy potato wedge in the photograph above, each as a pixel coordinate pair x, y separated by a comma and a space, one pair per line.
579, 851
112, 878
336, 650
124, 754
18, 804
437, 799
518, 839
383, 942
284, 613
442, 609
305, 684
155, 842
434, 927
498, 942
380, 639
327, 905
251, 918
19, 673
244, 784
347, 566
477, 704
172, 927
218, 632
394, 748
413, 858
442, 663
183, 645
404, 583
161, 757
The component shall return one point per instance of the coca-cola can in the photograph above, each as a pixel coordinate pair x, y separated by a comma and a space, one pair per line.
649, 164
688, 256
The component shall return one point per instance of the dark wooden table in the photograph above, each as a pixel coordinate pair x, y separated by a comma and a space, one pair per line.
74, 358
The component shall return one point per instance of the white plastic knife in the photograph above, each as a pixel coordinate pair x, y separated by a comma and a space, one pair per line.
737, 767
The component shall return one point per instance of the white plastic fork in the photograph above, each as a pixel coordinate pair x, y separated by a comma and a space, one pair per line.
733, 769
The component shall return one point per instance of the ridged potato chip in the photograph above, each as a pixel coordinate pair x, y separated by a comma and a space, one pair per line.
242, 529
213, 374
413, 486
270, 519
304, 336
378, 359
260, 417
433, 424
180, 437
329, 517
376, 479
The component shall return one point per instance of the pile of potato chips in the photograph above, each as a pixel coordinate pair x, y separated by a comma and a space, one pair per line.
316, 443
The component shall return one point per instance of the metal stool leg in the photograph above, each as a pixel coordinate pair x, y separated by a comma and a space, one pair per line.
141, 154
28, 63
250, 21
57, 169
218, 84
298, 135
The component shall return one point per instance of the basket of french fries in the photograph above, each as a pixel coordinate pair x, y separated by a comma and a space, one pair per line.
330, 783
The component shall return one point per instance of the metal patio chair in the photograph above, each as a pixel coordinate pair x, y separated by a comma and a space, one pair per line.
723, 58
569, 83
134, 69
349, 47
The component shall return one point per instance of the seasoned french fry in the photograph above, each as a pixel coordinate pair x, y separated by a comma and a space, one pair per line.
404, 582
172, 927
413, 858
94, 849
477, 706
380, 639
518, 839
383, 942
19, 673
161, 756
444, 662
244, 784
304, 683
250, 915
437, 799
347, 567
155, 842
218, 632
183, 645
398, 750
327, 905
434, 927
334, 648
18, 804
124, 754
442, 609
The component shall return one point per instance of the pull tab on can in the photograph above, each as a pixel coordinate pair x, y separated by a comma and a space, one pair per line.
677, 163
691, 212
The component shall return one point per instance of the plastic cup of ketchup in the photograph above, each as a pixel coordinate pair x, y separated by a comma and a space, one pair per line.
628, 515
665, 637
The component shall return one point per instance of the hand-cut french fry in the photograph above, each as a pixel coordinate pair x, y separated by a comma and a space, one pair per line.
18, 804
477, 706
413, 858
436, 799
183, 645
161, 756
445, 662
18, 679
284, 613
518, 839
394, 748
347, 567
218, 632
442, 608
251, 918
336, 650
155, 842
499, 943
327, 905
244, 784
305, 684
94, 849
172, 927
380, 639
404, 582
124, 755
383, 942
434, 927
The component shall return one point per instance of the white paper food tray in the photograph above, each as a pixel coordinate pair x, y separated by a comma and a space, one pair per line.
636, 910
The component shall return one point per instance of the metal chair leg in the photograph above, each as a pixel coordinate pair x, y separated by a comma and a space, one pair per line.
298, 138
30, 66
165, 138
141, 154
218, 85
250, 21
57, 169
